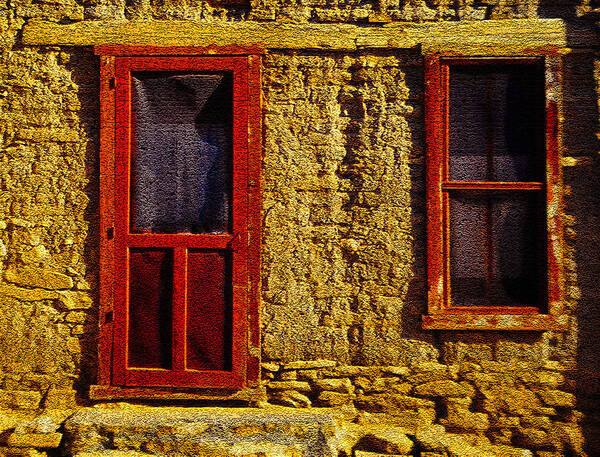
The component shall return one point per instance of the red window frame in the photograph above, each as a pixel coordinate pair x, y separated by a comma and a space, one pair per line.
242, 244
442, 315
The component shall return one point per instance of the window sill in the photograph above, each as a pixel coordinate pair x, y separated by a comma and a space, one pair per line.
100, 392
503, 322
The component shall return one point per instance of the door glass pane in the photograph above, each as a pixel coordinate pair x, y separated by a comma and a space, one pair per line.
208, 311
150, 295
496, 249
496, 125
181, 155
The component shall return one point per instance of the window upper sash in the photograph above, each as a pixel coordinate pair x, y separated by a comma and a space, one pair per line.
443, 186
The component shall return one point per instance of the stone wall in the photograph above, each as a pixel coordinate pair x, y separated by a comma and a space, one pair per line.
343, 281
48, 262
368, 11
426, 409
343, 198
583, 83
517, 404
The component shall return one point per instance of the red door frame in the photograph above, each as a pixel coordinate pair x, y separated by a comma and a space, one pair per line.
243, 243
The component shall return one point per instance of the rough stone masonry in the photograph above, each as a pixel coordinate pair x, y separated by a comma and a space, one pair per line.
347, 368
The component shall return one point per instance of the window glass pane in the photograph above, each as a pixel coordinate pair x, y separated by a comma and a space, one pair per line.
150, 295
496, 249
208, 311
496, 125
181, 159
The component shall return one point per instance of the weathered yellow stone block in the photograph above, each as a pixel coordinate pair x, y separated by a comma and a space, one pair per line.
10, 419
76, 317
309, 364
378, 454
290, 385
43, 135
557, 398
392, 402
541, 422
72, 300
291, 398
35, 255
27, 294
330, 398
442, 388
38, 277
392, 440
532, 437
39, 440
335, 384
19, 399
112, 453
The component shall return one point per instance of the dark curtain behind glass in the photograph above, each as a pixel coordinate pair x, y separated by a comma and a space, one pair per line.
181, 164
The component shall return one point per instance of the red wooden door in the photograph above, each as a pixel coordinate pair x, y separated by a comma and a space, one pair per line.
181, 221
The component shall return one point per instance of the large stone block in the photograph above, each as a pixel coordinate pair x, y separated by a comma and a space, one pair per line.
24, 294
391, 440
434, 438
300, 386
291, 398
38, 277
225, 432
20, 399
36, 440
534, 438
513, 401
309, 364
330, 398
557, 398
460, 417
391, 402
335, 384
444, 388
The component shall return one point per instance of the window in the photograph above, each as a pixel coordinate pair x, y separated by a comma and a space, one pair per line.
493, 229
180, 218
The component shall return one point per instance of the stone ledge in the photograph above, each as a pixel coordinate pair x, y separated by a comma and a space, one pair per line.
274, 431
123, 415
101, 392
503, 322
492, 37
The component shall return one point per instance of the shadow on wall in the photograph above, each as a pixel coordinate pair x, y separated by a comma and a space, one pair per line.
416, 296
583, 210
553, 9
85, 68
385, 162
